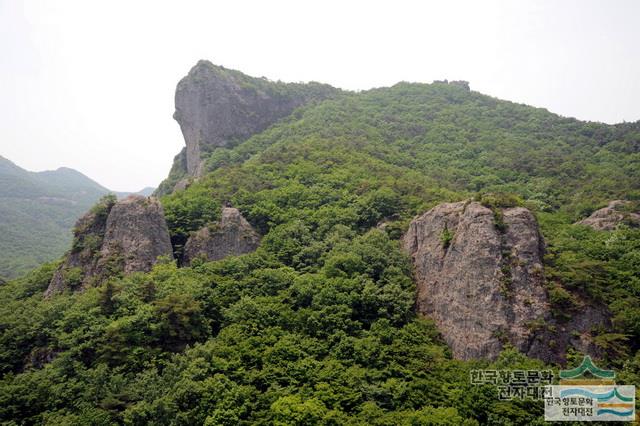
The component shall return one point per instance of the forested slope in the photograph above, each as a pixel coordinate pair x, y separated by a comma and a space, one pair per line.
318, 325
37, 212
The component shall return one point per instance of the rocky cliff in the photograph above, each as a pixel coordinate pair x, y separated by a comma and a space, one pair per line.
608, 218
136, 234
479, 275
218, 107
113, 237
231, 236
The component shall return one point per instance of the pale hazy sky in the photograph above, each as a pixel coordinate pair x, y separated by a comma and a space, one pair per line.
90, 84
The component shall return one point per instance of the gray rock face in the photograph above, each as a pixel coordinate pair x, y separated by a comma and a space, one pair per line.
122, 237
216, 107
80, 262
232, 236
608, 218
137, 232
479, 275
484, 287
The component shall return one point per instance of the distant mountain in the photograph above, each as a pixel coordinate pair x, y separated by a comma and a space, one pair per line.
38, 211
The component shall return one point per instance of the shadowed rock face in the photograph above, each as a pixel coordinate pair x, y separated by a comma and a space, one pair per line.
482, 282
578, 331
231, 236
608, 218
122, 237
216, 107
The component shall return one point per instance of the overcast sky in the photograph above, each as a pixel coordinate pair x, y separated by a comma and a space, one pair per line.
89, 84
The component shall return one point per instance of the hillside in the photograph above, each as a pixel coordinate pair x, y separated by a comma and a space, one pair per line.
37, 213
326, 321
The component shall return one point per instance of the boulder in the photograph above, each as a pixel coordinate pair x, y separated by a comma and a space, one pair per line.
231, 236
608, 218
482, 286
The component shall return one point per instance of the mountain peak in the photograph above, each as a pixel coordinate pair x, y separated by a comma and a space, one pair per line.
218, 107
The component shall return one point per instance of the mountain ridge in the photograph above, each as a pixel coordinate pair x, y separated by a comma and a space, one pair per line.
37, 213
321, 324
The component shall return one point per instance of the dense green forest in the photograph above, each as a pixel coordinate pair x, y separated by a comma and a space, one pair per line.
317, 326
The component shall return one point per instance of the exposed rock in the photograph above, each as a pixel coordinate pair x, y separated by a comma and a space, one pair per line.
608, 218
231, 236
181, 185
480, 277
122, 237
218, 107
137, 232
39, 357
80, 262
482, 287
459, 83
578, 331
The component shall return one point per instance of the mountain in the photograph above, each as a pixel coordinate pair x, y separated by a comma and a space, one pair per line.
146, 191
218, 107
37, 213
64, 182
339, 258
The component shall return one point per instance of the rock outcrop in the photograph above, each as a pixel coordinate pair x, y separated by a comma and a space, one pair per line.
231, 236
136, 234
481, 286
608, 218
114, 237
479, 275
80, 262
218, 107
